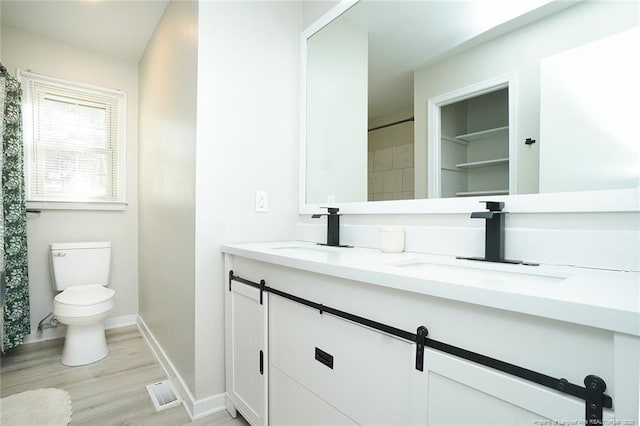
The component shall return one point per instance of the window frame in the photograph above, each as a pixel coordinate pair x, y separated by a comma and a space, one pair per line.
28, 99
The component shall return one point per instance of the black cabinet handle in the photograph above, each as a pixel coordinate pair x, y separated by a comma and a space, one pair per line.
324, 357
261, 363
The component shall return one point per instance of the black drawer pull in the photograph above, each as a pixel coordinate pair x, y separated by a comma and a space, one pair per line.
261, 363
325, 358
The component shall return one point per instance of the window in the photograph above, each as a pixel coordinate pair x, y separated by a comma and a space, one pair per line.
74, 144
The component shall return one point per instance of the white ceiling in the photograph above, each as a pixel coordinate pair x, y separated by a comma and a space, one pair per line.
114, 27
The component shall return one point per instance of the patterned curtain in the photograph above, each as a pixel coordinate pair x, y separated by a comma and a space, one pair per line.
13, 232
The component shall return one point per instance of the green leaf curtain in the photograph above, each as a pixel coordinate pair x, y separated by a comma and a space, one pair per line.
13, 215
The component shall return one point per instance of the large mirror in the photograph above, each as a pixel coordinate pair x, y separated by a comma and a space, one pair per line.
448, 99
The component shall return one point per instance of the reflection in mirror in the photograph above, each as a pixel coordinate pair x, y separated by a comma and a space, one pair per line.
474, 146
375, 72
336, 114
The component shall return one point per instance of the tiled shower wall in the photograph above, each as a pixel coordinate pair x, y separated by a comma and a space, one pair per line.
391, 173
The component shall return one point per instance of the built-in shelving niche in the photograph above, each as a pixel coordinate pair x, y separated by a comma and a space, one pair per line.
475, 146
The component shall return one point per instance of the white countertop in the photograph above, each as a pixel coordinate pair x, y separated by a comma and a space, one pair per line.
600, 298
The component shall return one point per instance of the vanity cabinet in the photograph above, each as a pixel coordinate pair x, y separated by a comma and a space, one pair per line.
325, 369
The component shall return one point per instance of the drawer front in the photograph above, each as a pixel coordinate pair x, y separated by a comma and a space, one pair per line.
293, 404
368, 375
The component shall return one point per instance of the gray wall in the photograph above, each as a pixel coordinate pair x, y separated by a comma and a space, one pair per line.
168, 94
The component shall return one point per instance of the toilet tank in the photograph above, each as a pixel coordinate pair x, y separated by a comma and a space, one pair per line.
80, 263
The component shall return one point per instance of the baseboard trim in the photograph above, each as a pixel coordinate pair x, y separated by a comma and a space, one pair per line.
45, 334
208, 406
59, 332
195, 409
121, 321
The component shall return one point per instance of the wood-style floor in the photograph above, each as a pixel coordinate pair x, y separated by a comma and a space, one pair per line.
109, 392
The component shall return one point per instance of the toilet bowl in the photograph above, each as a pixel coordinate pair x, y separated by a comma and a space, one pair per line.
83, 310
81, 272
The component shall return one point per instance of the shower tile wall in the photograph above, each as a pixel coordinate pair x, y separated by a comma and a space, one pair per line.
391, 173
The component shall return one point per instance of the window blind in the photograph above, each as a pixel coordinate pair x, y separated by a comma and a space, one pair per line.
74, 144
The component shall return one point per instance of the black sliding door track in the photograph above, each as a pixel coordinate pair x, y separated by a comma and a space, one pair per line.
592, 393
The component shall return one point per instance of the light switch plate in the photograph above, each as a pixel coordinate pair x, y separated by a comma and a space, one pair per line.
261, 202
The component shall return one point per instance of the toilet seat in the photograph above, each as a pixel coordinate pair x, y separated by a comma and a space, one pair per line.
88, 294
83, 300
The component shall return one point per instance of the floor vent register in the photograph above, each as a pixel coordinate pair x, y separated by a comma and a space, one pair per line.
163, 395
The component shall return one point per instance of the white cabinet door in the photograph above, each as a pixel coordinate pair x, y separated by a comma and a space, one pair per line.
368, 375
461, 392
293, 404
245, 351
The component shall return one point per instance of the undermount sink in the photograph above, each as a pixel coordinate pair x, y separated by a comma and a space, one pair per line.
500, 272
319, 249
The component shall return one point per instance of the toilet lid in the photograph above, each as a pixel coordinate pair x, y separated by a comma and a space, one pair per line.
88, 294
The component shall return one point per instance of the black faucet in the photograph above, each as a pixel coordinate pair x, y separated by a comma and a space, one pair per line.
493, 233
333, 227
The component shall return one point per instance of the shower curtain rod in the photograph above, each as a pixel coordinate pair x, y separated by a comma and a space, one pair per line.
406, 120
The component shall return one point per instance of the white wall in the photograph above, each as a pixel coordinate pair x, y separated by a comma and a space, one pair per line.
248, 110
168, 91
589, 110
24, 50
519, 52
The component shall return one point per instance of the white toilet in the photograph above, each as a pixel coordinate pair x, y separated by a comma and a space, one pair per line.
81, 272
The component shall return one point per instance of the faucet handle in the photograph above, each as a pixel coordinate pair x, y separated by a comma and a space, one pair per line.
331, 210
494, 206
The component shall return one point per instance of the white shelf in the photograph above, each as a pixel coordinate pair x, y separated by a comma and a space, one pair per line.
478, 193
453, 169
454, 140
483, 134
485, 163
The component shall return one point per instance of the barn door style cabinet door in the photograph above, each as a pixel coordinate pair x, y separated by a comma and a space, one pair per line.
246, 312
467, 393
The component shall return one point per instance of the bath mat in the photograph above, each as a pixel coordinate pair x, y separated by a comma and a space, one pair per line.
36, 407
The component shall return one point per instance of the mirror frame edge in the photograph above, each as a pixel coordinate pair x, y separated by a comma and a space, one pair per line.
316, 26
597, 201
626, 200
